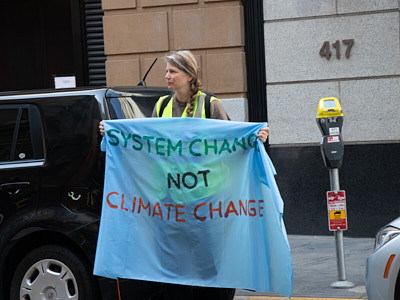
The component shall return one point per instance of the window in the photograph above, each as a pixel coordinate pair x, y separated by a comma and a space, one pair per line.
125, 108
8, 118
17, 143
139, 104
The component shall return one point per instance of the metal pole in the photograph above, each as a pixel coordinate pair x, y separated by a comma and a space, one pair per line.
342, 282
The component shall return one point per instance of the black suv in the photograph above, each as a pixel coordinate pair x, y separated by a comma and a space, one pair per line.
51, 180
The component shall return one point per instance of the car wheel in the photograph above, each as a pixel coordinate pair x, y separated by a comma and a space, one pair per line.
53, 272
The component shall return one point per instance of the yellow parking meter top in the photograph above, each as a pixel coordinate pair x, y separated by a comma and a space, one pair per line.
329, 107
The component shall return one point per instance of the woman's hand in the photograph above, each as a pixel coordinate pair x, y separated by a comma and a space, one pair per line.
263, 134
101, 128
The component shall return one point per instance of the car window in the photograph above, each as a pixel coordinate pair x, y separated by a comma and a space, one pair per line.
132, 105
16, 142
124, 108
23, 145
8, 119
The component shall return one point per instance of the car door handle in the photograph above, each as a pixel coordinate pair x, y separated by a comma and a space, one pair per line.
13, 188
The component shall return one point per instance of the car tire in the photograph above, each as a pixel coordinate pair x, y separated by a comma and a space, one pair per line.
53, 272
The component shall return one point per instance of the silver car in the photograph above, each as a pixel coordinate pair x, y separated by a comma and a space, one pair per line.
382, 277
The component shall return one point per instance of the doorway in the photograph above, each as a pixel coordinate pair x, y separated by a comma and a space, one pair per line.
37, 43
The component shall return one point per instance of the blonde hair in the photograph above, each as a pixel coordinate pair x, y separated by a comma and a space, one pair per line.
185, 61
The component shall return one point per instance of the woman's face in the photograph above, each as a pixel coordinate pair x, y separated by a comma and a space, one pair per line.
176, 78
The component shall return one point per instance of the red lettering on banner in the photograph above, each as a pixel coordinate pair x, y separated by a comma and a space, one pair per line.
230, 209
243, 207
169, 209
113, 206
141, 204
122, 203
157, 210
134, 204
260, 208
249, 207
215, 210
201, 211
252, 210
196, 209
177, 207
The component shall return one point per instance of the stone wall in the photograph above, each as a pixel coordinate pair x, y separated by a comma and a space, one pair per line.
138, 31
363, 70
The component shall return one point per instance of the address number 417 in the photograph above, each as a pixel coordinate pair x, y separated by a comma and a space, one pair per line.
325, 50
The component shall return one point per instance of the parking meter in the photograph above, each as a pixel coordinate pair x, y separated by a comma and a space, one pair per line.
330, 121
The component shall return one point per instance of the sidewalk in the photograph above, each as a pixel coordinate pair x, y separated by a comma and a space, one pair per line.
315, 268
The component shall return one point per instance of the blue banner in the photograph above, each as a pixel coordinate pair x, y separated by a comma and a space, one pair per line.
192, 201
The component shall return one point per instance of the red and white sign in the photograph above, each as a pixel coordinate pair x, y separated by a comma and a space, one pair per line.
337, 212
333, 139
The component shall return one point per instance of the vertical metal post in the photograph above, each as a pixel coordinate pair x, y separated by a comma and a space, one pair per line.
342, 282
255, 60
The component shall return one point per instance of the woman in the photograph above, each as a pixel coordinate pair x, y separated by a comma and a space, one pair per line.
188, 100
182, 76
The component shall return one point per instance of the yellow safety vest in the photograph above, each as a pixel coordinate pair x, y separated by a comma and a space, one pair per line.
197, 113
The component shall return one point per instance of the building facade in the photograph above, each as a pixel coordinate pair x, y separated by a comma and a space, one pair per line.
268, 60
312, 49
138, 32
349, 50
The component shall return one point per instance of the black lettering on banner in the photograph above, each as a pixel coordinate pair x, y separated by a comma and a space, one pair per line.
188, 179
